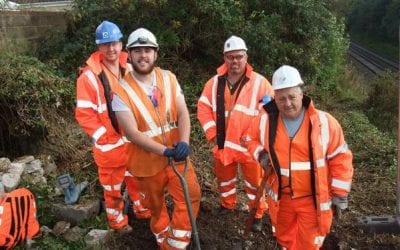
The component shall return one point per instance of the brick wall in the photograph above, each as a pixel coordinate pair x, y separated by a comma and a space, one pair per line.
20, 30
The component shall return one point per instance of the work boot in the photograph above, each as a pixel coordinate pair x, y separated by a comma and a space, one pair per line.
123, 230
224, 210
257, 225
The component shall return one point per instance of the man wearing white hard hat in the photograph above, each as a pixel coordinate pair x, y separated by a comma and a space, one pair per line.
152, 112
93, 112
228, 103
310, 164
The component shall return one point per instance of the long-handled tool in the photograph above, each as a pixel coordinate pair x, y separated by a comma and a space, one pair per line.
260, 192
187, 200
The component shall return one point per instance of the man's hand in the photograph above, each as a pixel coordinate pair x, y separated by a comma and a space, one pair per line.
182, 151
263, 159
340, 203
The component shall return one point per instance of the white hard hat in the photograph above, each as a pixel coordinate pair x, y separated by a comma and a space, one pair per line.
234, 43
286, 77
141, 38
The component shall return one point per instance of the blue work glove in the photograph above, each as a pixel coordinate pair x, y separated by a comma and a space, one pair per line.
182, 150
169, 152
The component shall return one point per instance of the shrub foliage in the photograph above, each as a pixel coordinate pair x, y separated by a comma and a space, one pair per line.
191, 34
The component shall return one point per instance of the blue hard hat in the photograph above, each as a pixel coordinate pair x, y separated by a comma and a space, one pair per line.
107, 32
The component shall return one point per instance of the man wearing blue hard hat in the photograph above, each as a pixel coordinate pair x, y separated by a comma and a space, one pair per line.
98, 78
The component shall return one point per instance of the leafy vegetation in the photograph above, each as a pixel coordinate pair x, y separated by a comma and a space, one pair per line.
191, 35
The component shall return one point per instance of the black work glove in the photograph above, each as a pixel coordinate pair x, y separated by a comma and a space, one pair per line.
182, 151
263, 159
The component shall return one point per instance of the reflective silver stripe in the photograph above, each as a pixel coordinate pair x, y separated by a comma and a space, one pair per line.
167, 90
209, 125
158, 131
325, 205
87, 104
247, 184
127, 173
285, 172
177, 243
273, 230
161, 236
246, 110
181, 233
92, 79
108, 147
227, 113
118, 186
341, 184
319, 240
254, 101
341, 149
98, 133
1, 221
295, 166
320, 163
230, 192
273, 195
324, 131
263, 125
214, 93
125, 139
237, 147
256, 154
107, 187
1, 209
119, 218
226, 183
139, 104
113, 211
251, 196
205, 100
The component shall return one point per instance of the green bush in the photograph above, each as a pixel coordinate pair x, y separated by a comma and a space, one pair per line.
382, 103
33, 100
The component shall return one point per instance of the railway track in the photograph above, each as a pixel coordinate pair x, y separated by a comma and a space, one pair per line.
375, 63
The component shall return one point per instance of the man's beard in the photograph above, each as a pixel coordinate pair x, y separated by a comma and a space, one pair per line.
143, 71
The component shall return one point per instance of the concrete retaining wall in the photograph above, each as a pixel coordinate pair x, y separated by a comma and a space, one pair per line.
21, 30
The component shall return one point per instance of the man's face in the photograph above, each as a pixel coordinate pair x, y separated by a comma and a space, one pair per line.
289, 102
236, 61
111, 50
143, 59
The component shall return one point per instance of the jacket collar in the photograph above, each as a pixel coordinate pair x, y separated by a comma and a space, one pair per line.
94, 61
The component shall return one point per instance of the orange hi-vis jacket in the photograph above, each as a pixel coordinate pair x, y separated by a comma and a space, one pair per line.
238, 115
158, 123
17, 218
92, 111
320, 155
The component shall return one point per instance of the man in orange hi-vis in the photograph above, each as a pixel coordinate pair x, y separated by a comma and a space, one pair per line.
230, 100
152, 112
18, 223
94, 114
310, 167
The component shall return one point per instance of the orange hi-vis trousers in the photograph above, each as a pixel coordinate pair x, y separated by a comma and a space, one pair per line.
17, 218
227, 182
136, 197
297, 226
174, 233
